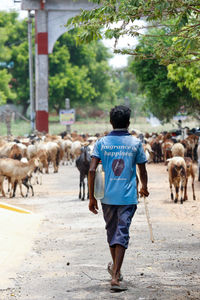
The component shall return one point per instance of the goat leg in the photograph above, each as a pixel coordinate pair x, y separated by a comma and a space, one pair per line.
83, 198
2, 190
176, 197
182, 188
25, 183
32, 190
28, 185
87, 189
172, 196
185, 190
13, 188
1, 185
194, 197
80, 184
20, 186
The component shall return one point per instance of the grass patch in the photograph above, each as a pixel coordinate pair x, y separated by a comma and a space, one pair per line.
92, 126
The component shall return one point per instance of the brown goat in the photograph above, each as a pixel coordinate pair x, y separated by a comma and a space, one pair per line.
16, 171
42, 155
190, 171
167, 150
15, 152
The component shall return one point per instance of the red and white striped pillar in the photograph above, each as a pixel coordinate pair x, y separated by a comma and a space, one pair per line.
41, 69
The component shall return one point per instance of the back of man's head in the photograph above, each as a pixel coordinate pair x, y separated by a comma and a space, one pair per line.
120, 116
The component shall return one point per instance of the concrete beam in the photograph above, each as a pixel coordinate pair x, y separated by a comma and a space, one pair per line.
59, 5
56, 25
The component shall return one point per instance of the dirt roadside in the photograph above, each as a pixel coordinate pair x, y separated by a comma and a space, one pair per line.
67, 255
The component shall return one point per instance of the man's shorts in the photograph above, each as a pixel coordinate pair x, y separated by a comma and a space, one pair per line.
118, 220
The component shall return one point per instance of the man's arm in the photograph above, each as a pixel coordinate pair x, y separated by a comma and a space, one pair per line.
93, 206
144, 180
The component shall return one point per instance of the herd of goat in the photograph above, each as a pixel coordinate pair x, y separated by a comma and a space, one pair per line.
24, 158
180, 155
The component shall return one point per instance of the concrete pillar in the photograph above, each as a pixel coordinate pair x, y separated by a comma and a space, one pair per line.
50, 19
41, 70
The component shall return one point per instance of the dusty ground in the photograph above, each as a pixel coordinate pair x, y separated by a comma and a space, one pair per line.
60, 251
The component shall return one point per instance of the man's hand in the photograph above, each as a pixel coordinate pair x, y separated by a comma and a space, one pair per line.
144, 192
93, 206
144, 179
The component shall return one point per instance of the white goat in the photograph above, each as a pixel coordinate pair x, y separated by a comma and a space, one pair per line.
178, 150
76, 150
67, 149
177, 175
53, 153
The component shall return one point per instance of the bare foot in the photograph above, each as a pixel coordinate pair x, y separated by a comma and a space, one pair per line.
115, 281
116, 287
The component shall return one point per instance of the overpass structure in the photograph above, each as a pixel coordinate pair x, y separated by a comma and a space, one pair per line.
51, 17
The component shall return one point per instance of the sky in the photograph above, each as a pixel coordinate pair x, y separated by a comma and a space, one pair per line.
9, 5
117, 61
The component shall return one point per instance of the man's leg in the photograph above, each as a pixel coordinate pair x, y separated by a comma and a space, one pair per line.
112, 252
118, 256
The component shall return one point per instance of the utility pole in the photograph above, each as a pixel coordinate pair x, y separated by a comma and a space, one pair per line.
67, 106
31, 84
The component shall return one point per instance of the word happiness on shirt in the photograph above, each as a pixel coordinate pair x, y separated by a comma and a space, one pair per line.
128, 150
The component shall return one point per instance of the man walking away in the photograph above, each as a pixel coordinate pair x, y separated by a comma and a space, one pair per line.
119, 153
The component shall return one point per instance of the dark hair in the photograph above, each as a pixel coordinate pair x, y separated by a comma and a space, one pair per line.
120, 116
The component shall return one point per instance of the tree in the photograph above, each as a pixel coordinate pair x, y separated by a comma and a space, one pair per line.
128, 90
80, 73
117, 18
163, 97
5, 78
188, 77
18, 45
67, 81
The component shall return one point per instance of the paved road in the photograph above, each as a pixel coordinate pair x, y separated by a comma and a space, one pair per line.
60, 251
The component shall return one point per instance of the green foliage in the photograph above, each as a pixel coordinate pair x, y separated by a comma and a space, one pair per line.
161, 93
127, 81
185, 27
186, 76
79, 72
5, 55
128, 88
163, 97
5, 91
16, 31
66, 80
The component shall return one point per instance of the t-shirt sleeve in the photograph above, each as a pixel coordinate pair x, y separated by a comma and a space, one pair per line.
96, 152
140, 156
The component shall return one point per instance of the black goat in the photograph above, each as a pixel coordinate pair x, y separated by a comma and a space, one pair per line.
157, 152
26, 183
83, 165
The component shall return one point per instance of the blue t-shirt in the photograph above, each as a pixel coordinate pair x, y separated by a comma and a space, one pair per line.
120, 152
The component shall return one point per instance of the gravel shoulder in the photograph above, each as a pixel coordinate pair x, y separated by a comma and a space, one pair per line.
60, 250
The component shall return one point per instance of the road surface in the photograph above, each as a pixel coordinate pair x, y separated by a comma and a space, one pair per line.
59, 251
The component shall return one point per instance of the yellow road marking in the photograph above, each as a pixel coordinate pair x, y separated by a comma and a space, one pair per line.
14, 208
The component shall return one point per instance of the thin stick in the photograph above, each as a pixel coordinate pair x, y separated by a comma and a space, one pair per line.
148, 220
